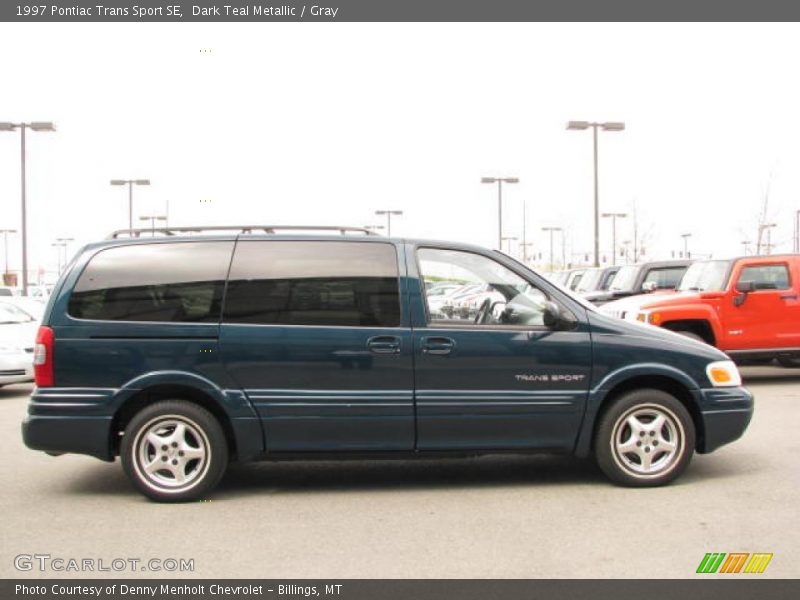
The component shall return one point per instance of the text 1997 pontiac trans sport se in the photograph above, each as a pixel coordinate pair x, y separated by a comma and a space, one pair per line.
180, 352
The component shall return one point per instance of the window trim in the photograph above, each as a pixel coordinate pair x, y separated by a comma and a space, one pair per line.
397, 251
431, 325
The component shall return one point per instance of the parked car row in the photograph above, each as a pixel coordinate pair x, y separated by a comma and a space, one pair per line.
604, 284
749, 307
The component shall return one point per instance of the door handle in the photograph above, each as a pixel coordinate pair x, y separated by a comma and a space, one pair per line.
789, 297
438, 345
384, 344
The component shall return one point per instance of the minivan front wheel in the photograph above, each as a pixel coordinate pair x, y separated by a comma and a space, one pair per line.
174, 451
645, 438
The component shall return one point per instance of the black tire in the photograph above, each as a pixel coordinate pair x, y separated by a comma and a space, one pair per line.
691, 335
789, 362
197, 452
614, 433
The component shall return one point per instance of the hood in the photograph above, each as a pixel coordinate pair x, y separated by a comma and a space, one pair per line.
664, 338
636, 303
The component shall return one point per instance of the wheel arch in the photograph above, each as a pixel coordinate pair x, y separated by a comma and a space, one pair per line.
674, 383
169, 391
701, 327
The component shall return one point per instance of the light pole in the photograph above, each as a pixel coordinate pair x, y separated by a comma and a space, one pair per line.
499, 181
551, 230
768, 227
5, 233
509, 240
614, 217
746, 247
35, 126
525, 254
686, 237
130, 183
153, 219
797, 231
389, 213
608, 126
58, 246
65, 241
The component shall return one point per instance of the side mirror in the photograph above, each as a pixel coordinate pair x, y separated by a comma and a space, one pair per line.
744, 288
551, 315
649, 286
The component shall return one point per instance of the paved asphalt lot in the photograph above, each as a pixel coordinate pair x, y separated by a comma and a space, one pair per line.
487, 517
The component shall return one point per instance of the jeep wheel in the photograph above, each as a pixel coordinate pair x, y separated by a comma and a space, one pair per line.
174, 451
645, 438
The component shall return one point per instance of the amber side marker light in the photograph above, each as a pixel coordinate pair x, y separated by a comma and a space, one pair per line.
723, 374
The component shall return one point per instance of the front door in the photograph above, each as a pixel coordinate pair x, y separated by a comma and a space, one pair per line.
763, 320
314, 334
490, 374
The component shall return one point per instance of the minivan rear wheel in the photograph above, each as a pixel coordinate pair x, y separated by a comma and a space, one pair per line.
174, 451
645, 438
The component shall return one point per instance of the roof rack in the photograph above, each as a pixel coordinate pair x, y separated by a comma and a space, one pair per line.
271, 229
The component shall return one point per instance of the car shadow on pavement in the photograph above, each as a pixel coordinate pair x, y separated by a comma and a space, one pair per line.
769, 375
414, 474
368, 475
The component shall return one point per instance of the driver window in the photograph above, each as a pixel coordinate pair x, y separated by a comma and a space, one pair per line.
463, 288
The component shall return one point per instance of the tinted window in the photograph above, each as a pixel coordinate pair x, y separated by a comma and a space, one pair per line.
667, 278
170, 282
766, 277
314, 283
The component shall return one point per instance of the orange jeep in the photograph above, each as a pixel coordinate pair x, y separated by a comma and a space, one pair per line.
749, 307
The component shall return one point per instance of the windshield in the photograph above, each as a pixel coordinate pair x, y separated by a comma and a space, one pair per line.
10, 314
706, 276
624, 279
590, 280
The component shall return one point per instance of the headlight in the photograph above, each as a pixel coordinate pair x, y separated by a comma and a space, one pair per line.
723, 373
648, 316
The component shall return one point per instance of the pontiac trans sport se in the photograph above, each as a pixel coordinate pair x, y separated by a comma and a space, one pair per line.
183, 352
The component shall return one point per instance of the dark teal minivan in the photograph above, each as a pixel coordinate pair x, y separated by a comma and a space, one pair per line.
186, 350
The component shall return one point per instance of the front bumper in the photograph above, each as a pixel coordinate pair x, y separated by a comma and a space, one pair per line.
16, 368
725, 414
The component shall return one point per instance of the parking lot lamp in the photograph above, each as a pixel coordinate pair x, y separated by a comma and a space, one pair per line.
551, 231
35, 126
686, 237
130, 183
153, 219
389, 214
614, 217
608, 126
5, 233
499, 181
510, 239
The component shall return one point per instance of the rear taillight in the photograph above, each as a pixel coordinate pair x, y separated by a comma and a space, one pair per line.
43, 357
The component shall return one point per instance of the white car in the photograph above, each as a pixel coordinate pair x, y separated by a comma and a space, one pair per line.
17, 338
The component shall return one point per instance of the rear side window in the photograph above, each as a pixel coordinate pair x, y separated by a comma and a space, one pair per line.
165, 282
766, 277
314, 283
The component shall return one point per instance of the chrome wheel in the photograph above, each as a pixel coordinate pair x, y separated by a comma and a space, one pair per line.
171, 454
647, 441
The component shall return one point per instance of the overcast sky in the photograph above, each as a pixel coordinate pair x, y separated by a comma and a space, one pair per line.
324, 123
